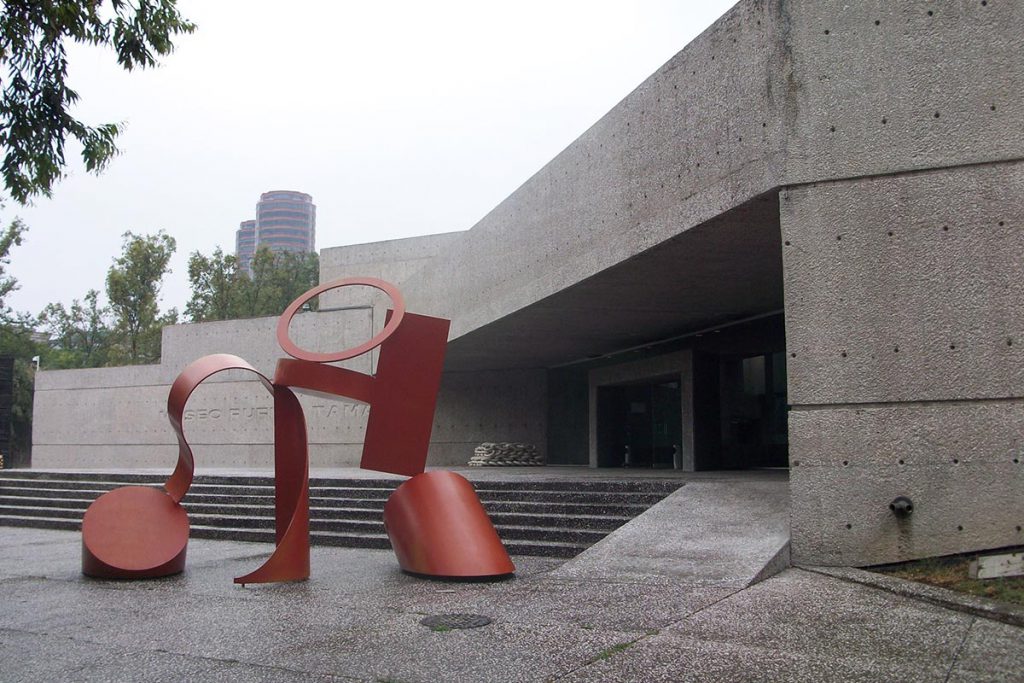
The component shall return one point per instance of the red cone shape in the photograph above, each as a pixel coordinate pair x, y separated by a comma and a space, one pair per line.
438, 527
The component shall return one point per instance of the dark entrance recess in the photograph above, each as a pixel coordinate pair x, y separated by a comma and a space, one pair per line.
640, 424
739, 405
740, 411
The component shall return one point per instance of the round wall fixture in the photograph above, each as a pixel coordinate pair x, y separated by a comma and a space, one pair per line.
901, 506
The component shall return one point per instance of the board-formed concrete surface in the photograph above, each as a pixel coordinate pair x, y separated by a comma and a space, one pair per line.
357, 619
906, 368
393, 261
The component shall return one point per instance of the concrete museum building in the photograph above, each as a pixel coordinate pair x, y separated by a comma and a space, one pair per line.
799, 244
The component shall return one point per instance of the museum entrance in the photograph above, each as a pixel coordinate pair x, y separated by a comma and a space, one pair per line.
718, 403
640, 424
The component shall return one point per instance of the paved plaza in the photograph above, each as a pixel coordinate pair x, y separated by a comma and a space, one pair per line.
358, 619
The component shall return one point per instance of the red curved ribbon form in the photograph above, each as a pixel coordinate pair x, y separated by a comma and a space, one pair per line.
191, 377
290, 559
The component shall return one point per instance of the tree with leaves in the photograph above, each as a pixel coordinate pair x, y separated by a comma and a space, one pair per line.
222, 291
278, 278
80, 336
17, 341
35, 103
217, 285
11, 237
133, 290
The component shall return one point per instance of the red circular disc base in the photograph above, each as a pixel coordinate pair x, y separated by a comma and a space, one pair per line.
134, 532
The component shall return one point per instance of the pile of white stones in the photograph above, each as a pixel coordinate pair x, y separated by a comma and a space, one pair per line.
505, 454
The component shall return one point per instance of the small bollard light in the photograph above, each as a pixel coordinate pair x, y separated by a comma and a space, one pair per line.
901, 506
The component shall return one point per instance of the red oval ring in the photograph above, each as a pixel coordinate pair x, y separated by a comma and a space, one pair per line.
286, 318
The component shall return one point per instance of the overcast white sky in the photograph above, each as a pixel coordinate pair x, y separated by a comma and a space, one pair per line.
400, 118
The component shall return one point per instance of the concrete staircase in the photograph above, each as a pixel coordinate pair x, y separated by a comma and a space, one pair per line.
550, 518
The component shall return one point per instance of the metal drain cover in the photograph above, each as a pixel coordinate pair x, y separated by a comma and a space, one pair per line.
448, 621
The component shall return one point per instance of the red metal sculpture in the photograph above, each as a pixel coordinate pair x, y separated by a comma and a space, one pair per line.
435, 521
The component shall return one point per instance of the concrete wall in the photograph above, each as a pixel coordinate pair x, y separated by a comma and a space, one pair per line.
501, 405
905, 316
903, 248
393, 261
116, 417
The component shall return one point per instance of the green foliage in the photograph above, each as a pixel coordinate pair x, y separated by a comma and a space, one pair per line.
9, 238
16, 340
35, 121
216, 287
610, 652
133, 290
128, 331
222, 291
80, 337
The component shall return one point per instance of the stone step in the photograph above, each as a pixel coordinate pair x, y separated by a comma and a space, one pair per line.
505, 531
51, 494
114, 479
349, 540
374, 497
557, 519
600, 516
245, 516
39, 511
18, 500
41, 522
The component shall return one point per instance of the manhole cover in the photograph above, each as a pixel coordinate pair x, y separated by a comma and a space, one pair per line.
443, 622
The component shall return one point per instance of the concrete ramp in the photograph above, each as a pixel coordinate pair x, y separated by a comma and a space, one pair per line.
721, 532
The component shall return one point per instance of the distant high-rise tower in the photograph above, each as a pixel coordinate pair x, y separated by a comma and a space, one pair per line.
285, 221
245, 243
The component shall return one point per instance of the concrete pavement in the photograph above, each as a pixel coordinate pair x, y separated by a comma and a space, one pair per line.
358, 619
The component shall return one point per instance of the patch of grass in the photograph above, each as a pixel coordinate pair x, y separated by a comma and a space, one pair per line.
952, 573
440, 629
609, 652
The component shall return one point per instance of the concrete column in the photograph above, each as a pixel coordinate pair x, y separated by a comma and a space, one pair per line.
905, 335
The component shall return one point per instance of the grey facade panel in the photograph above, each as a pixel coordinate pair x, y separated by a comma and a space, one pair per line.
906, 287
